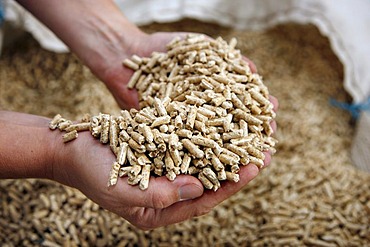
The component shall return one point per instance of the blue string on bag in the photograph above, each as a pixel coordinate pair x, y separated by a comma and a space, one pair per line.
354, 109
2, 14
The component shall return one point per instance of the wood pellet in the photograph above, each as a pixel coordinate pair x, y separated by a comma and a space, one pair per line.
208, 116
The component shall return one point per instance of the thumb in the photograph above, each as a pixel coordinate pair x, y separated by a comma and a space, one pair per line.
161, 192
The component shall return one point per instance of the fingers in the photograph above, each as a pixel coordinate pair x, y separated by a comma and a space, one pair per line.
251, 65
191, 208
275, 102
131, 101
267, 159
161, 192
210, 199
273, 125
118, 79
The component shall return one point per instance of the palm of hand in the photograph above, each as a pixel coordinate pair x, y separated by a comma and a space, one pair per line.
116, 76
89, 166
163, 203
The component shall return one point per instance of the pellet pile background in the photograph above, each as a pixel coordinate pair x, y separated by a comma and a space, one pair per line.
310, 195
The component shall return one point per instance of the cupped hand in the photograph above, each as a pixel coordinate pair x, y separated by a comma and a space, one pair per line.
85, 164
163, 203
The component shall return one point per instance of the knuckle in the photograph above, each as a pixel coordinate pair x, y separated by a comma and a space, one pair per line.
145, 220
158, 200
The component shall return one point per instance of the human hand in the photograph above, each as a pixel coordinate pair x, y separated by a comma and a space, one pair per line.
102, 38
116, 76
85, 164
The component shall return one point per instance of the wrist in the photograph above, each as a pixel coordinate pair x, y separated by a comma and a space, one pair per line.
61, 168
106, 42
26, 146
99, 34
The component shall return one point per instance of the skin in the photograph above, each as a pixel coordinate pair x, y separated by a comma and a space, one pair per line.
102, 38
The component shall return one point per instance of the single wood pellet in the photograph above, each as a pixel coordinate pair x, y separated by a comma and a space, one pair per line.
208, 117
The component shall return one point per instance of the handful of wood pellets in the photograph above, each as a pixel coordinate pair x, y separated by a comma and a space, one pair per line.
202, 113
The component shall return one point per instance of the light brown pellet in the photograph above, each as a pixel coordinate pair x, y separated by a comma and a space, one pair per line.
144, 182
134, 79
232, 177
160, 121
136, 146
205, 181
192, 148
70, 136
185, 163
131, 64
55, 121
113, 176
191, 118
211, 175
121, 159
105, 123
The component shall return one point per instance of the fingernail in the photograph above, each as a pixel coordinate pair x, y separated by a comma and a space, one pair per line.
189, 191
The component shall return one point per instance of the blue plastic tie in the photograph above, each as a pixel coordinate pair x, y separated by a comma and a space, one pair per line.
2, 15
354, 109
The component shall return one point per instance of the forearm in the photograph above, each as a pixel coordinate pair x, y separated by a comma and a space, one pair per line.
94, 30
26, 146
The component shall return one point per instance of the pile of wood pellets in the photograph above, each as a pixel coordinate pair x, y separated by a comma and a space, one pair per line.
203, 113
310, 195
